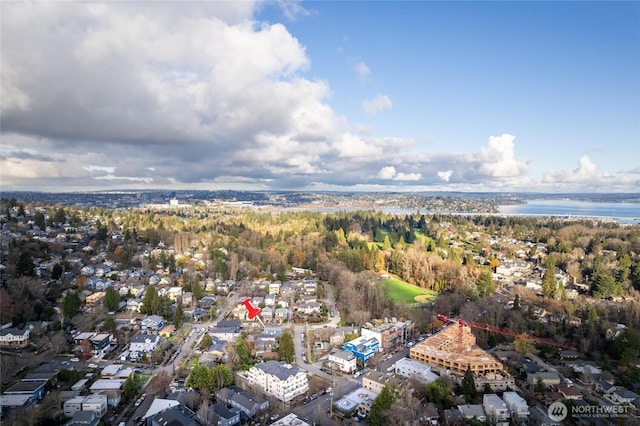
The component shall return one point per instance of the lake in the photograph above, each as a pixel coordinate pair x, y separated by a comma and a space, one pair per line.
620, 212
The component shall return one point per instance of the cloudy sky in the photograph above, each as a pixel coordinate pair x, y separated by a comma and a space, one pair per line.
461, 96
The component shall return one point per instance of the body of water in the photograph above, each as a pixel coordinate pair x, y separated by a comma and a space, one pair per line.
619, 212
623, 213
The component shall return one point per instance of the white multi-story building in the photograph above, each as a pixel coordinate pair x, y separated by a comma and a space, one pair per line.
345, 361
496, 409
279, 379
416, 370
517, 406
94, 403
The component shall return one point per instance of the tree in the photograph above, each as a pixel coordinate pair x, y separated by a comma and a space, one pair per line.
150, 301
196, 288
383, 402
539, 386
59, 217
159, 384
524, 346
516, 303
71, 304
286, 348
205, 342
56, 271
178, 316
438, 394
111, 299
549, 281
201, 378
222, 376
485, 284
38, 221
129, 389
110, 325
468, 385
25, 266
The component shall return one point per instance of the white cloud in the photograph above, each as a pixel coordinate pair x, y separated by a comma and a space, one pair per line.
387, 172
497, 158
377, 105
403, 177
445, 175
586, 172
92, 168
361, 69
353, 146
390, 173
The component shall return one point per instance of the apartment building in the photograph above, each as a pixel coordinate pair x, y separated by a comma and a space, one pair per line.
279, 379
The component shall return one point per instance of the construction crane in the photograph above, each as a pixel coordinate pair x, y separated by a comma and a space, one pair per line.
514, 334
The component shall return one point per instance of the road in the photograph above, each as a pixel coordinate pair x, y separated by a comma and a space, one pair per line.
185, 354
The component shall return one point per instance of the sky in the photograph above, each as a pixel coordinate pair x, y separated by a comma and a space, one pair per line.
508, 96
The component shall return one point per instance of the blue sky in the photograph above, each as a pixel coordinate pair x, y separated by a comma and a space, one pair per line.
462, 96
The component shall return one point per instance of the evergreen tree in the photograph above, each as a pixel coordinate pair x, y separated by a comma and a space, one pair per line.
57, 271
516, 303
549, 281
468, 385
71, 304
205, 342
378, 416
38, 221
150, 301
178, 316
25, 266
286, 349
485, 284
111, 299
129, 389
196, 288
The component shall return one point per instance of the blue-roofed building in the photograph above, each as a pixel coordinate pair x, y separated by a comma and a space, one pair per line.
362, 347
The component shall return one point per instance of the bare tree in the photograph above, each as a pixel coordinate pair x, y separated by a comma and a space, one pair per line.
159, 385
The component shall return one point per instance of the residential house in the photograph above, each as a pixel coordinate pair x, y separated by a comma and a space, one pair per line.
517, 406
14, 338
33, 391
344, 361
547, 378
281, 314
279, 379
357, 402
94, 403
453, 417
270, 300
472, 412
267, 314
152, 323
83, 418
375, 380
604, 387
133, 305
174, 416
622, 396
495, 409
309, 308
363, 347
248, 403
407, 367
223, 416
141, 343
274, 288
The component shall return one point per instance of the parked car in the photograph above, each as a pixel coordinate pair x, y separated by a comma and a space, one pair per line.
93, 365
74, 360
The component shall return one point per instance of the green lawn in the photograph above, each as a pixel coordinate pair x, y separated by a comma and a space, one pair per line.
401, 291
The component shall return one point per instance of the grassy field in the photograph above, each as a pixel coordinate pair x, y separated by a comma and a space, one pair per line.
401, 291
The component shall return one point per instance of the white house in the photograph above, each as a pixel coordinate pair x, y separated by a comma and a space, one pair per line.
14, 337
496, 409
94, 403
345, 361
410, 368
278, 379
517, 406
621, 396
143, 343
152, 322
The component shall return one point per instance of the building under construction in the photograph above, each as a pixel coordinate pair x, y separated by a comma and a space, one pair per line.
453, 349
